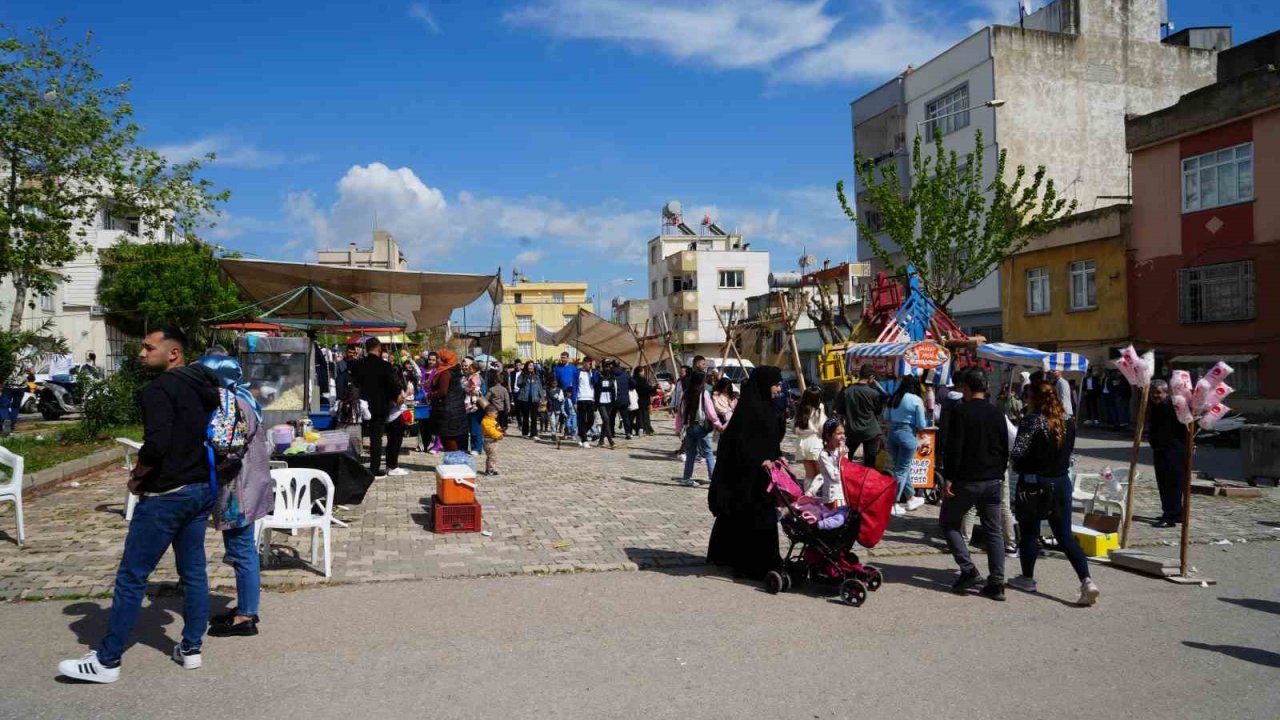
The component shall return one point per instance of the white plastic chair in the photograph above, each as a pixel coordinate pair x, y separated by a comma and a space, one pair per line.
11, 488
1101, 502
293, 510
130, 446
1084, 488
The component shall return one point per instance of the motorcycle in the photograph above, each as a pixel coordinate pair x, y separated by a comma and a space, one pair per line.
59, 396
30, 402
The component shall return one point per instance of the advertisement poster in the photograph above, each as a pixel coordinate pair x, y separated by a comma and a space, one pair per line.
922, 463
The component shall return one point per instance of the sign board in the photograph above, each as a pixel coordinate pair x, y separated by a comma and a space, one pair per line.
926, 355
925, 459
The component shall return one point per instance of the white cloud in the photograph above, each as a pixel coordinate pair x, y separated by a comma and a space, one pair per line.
721, 33
420, 12
230, 152
528, 259
791, 41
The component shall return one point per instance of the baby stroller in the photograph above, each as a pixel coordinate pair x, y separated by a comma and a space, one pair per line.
822, 539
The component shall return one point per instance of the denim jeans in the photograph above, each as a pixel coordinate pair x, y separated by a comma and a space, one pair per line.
985, 495
244, 558
176, 519
1059, 523
10, 406
697, 441
570, 416
477, 433
902, 447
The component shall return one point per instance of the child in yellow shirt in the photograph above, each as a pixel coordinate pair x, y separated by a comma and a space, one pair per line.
492, 434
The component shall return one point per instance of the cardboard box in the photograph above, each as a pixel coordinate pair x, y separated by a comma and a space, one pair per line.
1102, 523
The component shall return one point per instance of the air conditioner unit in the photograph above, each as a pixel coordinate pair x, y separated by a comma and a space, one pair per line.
97, 311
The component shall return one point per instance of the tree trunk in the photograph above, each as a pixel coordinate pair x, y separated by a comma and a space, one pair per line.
19, 301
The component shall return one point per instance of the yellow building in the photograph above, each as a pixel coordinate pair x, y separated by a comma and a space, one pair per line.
530, 304
1068, 289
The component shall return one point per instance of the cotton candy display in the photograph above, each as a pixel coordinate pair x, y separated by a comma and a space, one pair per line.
1129, 365
1182, 409
1147, 369
1180, 383
1218, 373
1212, 415
1206, 395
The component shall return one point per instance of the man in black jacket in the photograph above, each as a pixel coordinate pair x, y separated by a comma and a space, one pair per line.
860, 405
380, 389
976, 457
173, 477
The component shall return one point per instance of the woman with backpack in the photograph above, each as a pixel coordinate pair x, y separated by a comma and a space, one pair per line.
529, 394
448, 402
697, 418
241, 501
1041, 456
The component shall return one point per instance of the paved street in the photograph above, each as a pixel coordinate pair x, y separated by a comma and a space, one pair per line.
551, 510
679, 644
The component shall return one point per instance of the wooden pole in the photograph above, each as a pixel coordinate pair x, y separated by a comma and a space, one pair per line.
791, 339
671, 351
1186, 496
724, 348
1133, 466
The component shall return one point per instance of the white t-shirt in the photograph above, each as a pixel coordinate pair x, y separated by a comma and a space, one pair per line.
585, 391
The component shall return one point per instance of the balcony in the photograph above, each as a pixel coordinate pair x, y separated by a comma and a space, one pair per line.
685, 261
682, 301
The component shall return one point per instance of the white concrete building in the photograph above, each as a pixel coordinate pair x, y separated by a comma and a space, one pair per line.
1066, 77
384, 253
74, 309
697, 279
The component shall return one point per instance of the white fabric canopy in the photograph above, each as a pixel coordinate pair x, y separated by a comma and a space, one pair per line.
420, 300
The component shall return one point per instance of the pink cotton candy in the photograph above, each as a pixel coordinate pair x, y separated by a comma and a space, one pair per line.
1213, 415
1201, 397
1147, 369
1180, 384
1182, 409
1128, 364
1218, 373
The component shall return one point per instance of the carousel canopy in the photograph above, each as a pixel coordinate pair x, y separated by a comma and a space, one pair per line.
354, 297
1030, 357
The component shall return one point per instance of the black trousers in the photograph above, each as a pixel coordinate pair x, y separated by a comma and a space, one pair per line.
870, 449
586, 416
1171, 473
642, 422
607, 412
528, 415
375, 428
984, 495
395, 438
624, 413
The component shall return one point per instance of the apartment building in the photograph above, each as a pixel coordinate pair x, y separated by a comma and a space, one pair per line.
1052, 90
383, 254
530, 304
701, 279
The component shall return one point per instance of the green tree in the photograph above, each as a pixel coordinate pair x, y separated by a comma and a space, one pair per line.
69, 157
26, 348
146, 286
954, 227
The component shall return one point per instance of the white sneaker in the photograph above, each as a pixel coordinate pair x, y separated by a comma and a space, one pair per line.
1023, 583
680, 457
89, 669
189, 659
914, 504
898, 510
398, 472
1089, 592
583, 443
475, 453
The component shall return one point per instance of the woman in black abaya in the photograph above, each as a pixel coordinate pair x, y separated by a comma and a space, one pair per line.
745, 534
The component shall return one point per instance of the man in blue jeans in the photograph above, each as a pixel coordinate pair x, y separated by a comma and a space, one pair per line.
172, 476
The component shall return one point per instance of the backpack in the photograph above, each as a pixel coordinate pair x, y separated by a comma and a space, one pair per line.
228, 438
347, 410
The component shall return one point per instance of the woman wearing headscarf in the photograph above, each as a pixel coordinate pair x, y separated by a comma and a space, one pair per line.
448, 401
745, 533
249, 496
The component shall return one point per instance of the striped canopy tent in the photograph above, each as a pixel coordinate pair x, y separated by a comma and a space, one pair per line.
857, 353
1032, 358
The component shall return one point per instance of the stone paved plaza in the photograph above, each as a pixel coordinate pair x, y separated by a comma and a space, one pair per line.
566, 510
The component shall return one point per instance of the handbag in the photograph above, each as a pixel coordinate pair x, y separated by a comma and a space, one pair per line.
1034, 499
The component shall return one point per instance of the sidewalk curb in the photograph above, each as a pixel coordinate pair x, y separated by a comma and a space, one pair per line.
72, 469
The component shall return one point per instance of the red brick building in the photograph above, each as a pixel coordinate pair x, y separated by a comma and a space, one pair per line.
1204, 255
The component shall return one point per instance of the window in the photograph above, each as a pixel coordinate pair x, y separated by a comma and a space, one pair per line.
731, 278
557, 298
524, 350
653, 289
943, 107
875, 221
1218, 178
666, 286
653, 254
519, 298
46, 303
728, 316
1084, 285
1037, 291
524, 323
1216, 293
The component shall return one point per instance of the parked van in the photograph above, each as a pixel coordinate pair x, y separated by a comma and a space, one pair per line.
731, 368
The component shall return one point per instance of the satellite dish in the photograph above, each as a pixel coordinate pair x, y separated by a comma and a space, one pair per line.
807, 260
672, 210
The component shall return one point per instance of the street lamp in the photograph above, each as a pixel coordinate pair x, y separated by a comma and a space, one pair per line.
990, 103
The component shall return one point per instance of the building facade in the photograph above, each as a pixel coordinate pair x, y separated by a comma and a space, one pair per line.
383, 254
530, 304
633, 312
73, 308
700, 282
1068, 290
1206, 229
1052, 91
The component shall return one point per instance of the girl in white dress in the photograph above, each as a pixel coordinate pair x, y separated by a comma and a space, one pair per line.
810, 417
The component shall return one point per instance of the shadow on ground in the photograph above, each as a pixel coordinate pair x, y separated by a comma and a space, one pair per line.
1253, 655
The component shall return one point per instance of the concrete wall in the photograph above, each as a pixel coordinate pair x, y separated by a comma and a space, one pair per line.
712, 298
537, 303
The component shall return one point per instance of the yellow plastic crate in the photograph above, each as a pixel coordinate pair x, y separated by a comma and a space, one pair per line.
1094, 543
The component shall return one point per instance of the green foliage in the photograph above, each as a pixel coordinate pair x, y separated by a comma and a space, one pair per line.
113, 401
26, 348
68, 152
147, 286
953, 227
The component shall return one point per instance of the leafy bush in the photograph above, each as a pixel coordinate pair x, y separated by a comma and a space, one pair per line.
113, 401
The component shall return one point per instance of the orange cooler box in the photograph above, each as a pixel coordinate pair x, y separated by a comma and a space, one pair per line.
456, 484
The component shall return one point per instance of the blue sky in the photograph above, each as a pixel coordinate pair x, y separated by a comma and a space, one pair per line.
545, 134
